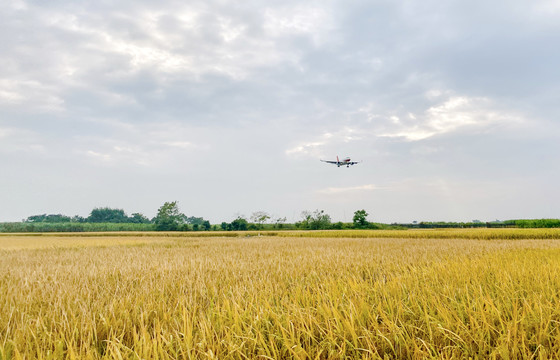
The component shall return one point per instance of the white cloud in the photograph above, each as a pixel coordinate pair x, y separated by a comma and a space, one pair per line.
318, 147
352, 189
30, 95
148, 145
425, 150
179, 144
18, 5
9, 96
434, 94
454, 114
202, 87
98, 155
313, 21
546, 8
17, 140
305, 148
141, 54
201, 42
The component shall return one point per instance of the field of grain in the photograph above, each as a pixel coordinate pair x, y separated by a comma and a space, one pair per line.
273, 297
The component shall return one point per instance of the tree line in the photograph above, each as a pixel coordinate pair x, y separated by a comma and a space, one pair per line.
170, 218
522, 223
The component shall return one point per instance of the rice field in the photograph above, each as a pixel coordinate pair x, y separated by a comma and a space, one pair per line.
467, 233
350, 295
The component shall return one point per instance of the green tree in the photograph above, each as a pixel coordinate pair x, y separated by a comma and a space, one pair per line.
78, 218
239, 224
107, 215
338, 225
260, 217
50, 218
169, 218
192, 220
360, 219
316, 220
279, 222
138, 218
198, 223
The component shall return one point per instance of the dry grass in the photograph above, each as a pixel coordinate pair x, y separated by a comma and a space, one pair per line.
474, 233
31, 242
467, 233
272, 297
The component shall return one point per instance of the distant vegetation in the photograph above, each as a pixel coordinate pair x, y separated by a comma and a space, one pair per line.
538, 223
170, 218
19, 227
533, 223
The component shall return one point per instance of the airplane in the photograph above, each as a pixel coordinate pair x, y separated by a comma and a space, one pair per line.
342, 162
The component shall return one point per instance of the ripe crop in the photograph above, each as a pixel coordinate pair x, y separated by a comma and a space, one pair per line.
173, 297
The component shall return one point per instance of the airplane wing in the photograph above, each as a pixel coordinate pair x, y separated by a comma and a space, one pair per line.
353, 162
330, 162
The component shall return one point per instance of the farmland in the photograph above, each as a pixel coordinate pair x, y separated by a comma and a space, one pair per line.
334, 294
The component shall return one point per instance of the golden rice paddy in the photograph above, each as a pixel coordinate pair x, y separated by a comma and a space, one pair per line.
306, 296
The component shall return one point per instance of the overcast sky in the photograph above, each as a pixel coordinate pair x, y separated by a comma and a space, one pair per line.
228, 106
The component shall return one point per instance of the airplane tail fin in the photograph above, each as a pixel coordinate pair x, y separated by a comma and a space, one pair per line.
337, 159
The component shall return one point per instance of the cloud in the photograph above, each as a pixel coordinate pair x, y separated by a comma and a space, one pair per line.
321, 145
30, 95
179, 144
426, 150
14, 140
261, 90
350, 189
192, 40
305, 148
146, 145
308, 20
97, 155
457, 113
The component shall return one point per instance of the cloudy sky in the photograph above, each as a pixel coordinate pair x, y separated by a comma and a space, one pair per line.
227, 107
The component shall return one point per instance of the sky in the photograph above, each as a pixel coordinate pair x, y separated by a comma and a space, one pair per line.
453, 107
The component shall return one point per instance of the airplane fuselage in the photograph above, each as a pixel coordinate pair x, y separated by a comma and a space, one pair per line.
344, 162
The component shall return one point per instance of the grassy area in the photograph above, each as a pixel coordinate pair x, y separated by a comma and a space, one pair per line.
175, 297
12, 242
474, 233
45, 227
